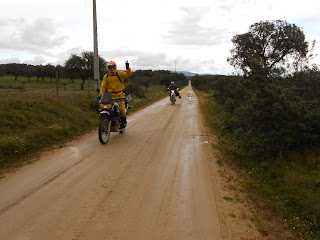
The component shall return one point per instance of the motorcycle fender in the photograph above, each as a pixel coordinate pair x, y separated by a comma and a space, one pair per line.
104, 113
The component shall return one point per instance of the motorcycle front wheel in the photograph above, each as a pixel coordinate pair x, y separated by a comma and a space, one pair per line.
104, 129
172, 100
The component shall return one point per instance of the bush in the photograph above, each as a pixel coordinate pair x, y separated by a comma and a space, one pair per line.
272, 127
136, 89
270, 116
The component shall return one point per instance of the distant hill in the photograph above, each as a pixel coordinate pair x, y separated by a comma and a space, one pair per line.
191, 74
188, 74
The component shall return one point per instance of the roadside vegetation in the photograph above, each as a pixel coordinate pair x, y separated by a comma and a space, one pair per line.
268, 120
35, 116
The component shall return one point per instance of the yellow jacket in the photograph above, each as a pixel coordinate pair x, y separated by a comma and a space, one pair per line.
112, 83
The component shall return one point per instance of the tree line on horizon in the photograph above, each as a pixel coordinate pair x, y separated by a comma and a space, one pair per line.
75, 67
81, 67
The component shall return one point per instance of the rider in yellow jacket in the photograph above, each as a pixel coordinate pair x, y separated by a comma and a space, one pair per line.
113, 82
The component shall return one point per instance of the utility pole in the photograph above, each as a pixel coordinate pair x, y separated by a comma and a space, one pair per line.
96, 74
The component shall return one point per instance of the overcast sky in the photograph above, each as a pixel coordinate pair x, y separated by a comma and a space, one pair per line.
150, 34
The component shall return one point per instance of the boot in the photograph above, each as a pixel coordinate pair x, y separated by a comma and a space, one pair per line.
123, 122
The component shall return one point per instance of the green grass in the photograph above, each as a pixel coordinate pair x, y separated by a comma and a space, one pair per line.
34, 118
31, 124
9, 87
288, 187
291, 183
152, 94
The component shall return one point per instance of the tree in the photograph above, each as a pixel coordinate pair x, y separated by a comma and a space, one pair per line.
50, 71
267, 47
41, 72
76, 65
2, 70
28, 71
13, 69
82, 66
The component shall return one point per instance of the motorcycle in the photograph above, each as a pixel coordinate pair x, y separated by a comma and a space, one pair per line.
110, 116
172, 97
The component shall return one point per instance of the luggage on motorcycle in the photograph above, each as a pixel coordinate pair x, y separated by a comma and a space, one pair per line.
106, 97
128, 97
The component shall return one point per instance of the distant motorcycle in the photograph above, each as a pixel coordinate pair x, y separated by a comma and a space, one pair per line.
110, 117
172, 97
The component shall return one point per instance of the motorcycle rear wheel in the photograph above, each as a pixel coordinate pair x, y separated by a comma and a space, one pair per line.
104, 129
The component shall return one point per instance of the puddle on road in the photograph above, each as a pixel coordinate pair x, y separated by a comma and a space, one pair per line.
75, 151
198, 138
191, 97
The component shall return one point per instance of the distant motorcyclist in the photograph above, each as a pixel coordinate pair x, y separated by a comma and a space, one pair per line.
174, 87
113, 82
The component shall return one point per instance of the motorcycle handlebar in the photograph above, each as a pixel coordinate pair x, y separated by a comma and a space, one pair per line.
113, 99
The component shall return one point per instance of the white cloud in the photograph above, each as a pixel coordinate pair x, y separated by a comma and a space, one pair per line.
38, 35
139, 59
10, 60
189, 31
37, 60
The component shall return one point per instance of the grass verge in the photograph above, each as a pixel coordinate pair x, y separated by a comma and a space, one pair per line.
32, 124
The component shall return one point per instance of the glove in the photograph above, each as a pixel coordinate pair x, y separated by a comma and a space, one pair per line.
127, 64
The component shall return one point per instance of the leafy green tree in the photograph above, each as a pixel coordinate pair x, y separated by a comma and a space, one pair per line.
82, 66
28, 71
267, 47
41, 72
73, 66
50, 71
2, 70
78, 66
13, 69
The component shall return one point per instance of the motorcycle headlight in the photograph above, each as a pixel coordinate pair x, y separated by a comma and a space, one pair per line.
105, 106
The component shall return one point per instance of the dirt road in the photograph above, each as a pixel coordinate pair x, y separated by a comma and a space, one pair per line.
152, 182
